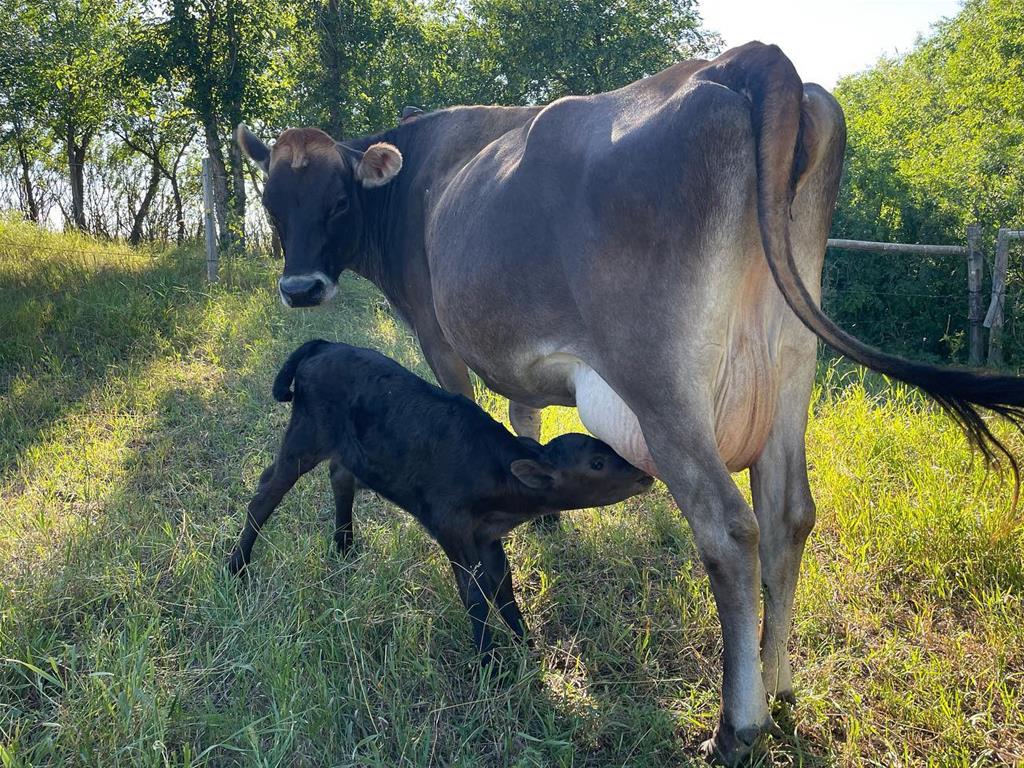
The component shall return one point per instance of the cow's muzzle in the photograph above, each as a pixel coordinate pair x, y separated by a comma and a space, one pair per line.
305, 290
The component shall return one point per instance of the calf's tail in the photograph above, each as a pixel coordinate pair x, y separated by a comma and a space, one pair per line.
769, 80
283, 381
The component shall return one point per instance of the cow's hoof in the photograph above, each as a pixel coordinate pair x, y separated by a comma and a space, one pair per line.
731, 746
548, 523
786, 697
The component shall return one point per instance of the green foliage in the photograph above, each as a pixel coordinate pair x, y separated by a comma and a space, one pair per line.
541, 51
151, 75
221, 50
352, 66
136, 417
936, 142
68, 71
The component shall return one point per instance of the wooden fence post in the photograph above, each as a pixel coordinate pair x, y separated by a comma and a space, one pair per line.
994, 318
208, 222
975, 311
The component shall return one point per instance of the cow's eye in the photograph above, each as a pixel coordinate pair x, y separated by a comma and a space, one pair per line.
597, 464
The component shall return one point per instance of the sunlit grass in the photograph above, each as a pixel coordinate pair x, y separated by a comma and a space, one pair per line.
135, 417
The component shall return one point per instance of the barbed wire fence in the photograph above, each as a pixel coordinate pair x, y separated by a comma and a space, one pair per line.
969, 304
257, 232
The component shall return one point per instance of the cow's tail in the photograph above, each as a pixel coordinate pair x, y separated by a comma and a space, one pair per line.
769, 80
283, 381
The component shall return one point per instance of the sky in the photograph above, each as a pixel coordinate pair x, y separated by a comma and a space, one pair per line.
826, 39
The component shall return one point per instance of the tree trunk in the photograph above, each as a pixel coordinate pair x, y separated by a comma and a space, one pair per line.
275, 243
139, 219
26, 180
179, 214
76, 170
172, 176
220, 186
237, 193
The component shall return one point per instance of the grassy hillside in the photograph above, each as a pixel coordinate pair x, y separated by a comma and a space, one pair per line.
135, 418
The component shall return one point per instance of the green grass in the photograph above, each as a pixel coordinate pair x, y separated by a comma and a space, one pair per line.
135, 417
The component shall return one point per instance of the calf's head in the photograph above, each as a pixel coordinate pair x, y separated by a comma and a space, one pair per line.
575, 471
313, 195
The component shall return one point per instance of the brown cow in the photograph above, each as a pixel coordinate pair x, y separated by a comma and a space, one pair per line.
650, 255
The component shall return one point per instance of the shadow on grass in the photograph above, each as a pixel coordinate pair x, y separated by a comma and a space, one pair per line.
313, 657
70, 327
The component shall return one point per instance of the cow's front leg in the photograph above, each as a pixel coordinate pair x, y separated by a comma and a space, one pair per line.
526, 421
449, 369
726, 533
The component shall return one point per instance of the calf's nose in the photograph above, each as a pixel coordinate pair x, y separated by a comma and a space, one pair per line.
302, 290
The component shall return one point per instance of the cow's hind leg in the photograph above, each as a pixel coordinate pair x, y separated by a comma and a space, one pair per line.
785, 514
343, 486
526, 421
726, 533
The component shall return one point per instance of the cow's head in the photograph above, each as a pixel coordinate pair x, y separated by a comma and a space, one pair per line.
313, 197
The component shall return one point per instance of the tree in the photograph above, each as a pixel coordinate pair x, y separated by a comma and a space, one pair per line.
21, 101
542, 50
222, 50
936, 142
150, 119
73, 54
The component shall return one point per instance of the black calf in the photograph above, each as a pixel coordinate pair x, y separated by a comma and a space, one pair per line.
465, 477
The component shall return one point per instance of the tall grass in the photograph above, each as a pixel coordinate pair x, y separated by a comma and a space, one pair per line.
135, 417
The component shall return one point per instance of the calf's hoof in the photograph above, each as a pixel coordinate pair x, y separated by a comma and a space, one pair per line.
343, 542
547, 523
731, 746
236, 563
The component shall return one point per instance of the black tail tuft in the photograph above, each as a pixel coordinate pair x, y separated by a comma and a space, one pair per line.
283, 381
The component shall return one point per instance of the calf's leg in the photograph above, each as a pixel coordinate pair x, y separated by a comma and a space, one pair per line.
475, 588
343, 486
497, 566
275, 482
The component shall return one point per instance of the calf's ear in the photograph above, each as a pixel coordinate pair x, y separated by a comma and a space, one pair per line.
379, 164
533, 475
254, 149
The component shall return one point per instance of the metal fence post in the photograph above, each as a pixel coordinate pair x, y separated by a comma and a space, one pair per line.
209, 223
975, 311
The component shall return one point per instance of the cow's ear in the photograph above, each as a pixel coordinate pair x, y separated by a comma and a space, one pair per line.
532, 474
254, 149
379, 164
